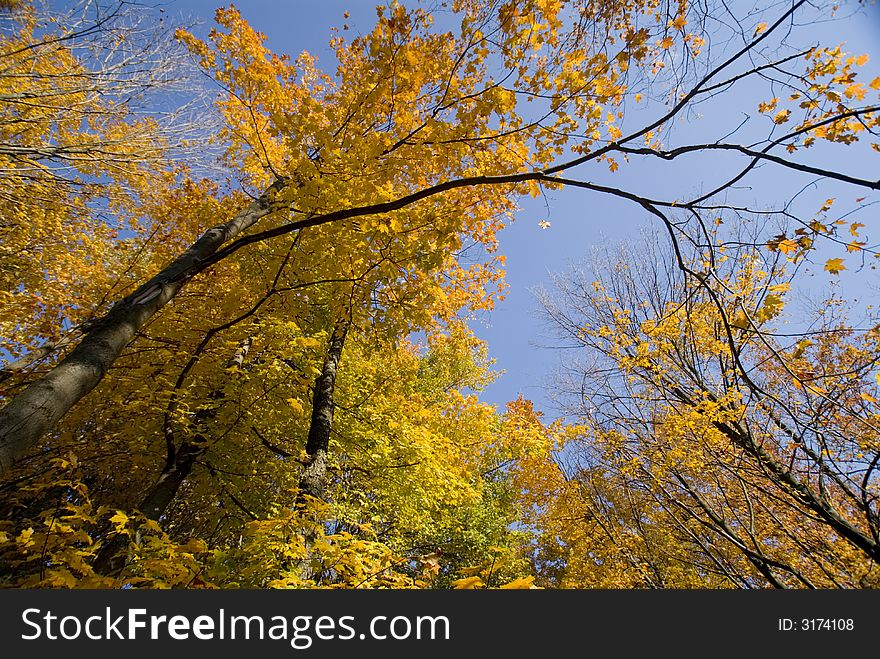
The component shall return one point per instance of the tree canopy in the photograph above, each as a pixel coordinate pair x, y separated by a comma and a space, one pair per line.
238, 335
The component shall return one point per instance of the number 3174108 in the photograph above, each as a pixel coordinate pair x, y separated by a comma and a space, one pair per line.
816, 624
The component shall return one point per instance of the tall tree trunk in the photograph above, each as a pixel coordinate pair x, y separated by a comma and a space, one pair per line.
114, 555
30, 414
314, 478
313, 481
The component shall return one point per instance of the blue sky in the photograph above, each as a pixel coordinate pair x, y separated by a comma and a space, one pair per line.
581, 220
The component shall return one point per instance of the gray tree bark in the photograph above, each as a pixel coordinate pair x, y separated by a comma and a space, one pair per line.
30, 414
114, 555
313, 481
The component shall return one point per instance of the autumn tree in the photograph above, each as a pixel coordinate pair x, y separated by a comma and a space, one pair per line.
225, 355
455, 99
81, 137
743, 427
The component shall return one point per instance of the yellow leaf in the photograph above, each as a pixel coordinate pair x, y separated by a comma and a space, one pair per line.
772, 307
800, 347
24, 538
768, 106
759, 28
739, 321
781, 116
855, 90
60, 578
519, 584
786, 246
468, 583
296, 406
534, 188
834, 266
868, 397
119, 521
194, 546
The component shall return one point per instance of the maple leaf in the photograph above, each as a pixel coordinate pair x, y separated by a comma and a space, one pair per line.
772, 307
24, 538
520, 583
468, 583
119, 521
768, 106
781, 117
431, 563
834, 266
